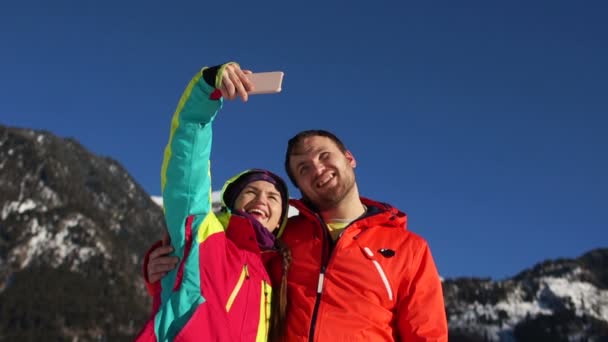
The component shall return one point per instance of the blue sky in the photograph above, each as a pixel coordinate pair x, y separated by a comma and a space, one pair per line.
484, 121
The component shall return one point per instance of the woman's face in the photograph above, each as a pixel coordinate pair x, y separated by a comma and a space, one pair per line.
262, 200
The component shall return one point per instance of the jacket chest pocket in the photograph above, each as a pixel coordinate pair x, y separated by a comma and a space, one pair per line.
237, 287
380, 272
248, 306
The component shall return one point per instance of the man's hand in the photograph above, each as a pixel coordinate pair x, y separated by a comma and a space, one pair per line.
159, 263
234, 82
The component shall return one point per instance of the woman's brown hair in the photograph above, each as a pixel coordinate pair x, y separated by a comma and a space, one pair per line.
279, 296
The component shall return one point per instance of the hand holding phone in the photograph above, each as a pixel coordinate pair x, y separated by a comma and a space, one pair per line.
266, 82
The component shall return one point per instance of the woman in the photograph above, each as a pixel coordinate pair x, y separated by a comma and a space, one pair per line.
220, 290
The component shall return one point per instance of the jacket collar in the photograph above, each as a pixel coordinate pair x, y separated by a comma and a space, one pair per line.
384, 214
242, 233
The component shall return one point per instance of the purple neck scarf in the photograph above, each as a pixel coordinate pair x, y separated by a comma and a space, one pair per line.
264, 237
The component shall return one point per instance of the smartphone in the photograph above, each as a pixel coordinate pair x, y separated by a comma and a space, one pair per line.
266, 82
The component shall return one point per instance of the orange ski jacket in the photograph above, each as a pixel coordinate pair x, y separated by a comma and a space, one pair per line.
377, 282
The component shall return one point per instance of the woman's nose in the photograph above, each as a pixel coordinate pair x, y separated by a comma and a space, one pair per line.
261, 198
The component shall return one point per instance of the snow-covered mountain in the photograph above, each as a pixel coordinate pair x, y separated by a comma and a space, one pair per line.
74, 227
558, 300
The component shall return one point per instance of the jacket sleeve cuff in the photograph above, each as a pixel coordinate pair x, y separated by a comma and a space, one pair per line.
213, 75
209, 75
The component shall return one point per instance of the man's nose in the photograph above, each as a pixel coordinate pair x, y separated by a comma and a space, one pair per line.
318, 167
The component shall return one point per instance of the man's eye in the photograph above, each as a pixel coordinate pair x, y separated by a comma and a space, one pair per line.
303, 170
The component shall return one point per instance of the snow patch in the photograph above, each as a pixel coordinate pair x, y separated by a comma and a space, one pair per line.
50, 196
9, 208
158, 200
19, 207
35, 244
587, 299
497, 321
216, 197
62, 248
59, 244
26, 205
84, 254
114, 227
102, 248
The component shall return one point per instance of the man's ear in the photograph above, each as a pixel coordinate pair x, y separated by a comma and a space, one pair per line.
351, 159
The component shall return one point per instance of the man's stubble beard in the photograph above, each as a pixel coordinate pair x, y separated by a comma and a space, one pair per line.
333, 197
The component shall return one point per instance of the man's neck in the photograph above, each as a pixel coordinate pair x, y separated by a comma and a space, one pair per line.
349, 208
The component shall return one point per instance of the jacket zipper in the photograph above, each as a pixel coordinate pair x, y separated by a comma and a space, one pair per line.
267, 308
325, 261
315, 311
237, 287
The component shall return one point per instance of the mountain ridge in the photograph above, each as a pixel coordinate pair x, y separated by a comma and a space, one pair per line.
73, 228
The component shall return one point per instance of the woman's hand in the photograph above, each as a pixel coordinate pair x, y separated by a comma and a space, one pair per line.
234, 82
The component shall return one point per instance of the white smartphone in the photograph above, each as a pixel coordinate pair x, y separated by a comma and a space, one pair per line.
266, 82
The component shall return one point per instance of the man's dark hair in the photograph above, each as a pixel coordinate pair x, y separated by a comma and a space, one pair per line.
294, 142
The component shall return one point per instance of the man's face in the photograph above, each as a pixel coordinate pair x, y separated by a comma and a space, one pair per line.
324, 174
263, 201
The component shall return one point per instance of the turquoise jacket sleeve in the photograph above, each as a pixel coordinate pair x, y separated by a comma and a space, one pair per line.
186, 189
185, 175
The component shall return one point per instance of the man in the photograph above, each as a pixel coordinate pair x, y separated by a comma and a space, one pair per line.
357, 273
